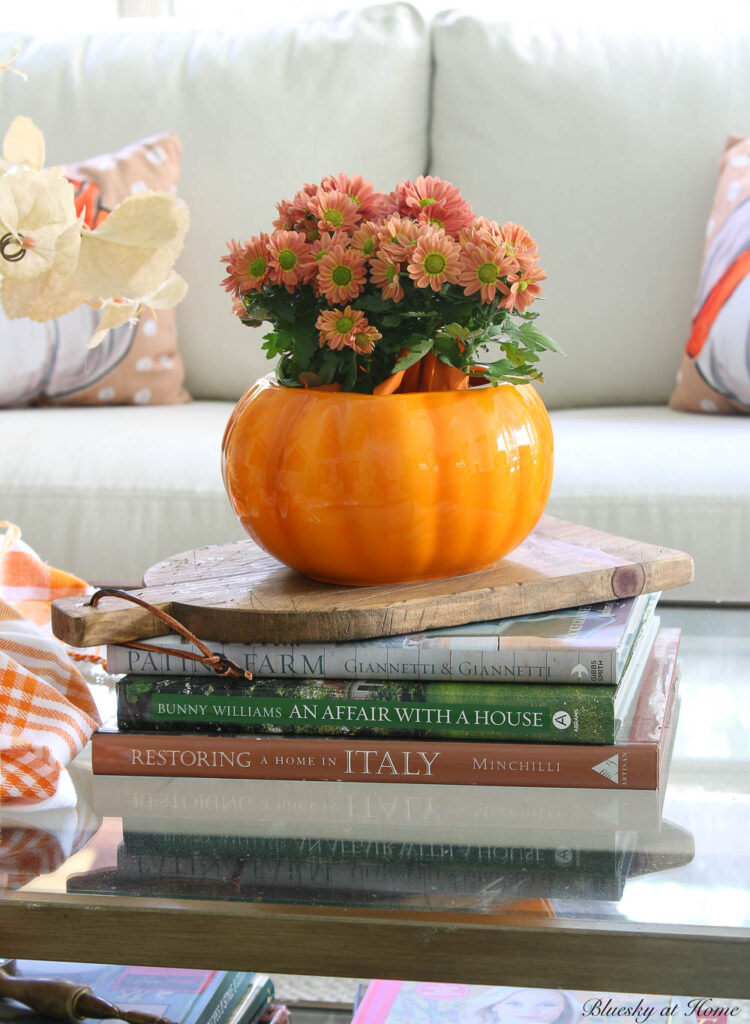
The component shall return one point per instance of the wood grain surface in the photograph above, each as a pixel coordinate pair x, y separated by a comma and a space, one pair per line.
236, 592
610, 955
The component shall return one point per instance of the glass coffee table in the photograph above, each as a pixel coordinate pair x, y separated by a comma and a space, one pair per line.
581, 889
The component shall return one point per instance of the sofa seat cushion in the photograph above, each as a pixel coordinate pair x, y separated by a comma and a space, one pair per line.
107, 492
666, 477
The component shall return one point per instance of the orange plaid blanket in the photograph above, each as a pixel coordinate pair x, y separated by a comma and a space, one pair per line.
47, 712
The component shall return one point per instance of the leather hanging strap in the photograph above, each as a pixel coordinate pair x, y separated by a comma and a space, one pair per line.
218, 663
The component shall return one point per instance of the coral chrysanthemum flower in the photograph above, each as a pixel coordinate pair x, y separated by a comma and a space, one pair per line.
340, 328
520, 245
323, 243
384, 273
294, 214
247, 265
522, 289
335, 211
290, 260
435, 259
365, 337
397, 237
482, 231
341, 274
367, 200
482, 270
432, 201
365, 239
285, 219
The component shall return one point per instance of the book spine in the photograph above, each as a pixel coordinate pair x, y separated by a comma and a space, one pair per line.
214, 1006
399, 761
253, 1001
543, 714
429, 662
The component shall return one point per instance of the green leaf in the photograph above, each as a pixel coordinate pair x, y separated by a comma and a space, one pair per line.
304, 346
415, 353
533, 336
392, 319
457, 331
350, 369
373, 303
513, 332
328, 365
284, 338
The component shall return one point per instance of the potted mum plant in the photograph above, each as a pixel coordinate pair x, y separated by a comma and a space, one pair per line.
399, 438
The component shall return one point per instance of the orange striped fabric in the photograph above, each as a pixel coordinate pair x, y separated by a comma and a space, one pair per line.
47, 712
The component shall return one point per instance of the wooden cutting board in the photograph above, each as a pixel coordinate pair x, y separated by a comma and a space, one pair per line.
236, 592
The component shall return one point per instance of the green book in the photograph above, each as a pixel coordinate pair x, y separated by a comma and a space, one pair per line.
323, 707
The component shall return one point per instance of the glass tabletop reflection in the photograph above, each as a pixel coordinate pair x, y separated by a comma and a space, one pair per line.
677, 856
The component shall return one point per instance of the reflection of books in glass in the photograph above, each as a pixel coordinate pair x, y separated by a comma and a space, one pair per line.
414, 1002
635, 761
187, 996
589, 644
471, 878
390, 812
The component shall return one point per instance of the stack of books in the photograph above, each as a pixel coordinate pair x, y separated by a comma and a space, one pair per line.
580, 698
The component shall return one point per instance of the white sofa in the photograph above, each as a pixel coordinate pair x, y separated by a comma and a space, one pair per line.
599, 129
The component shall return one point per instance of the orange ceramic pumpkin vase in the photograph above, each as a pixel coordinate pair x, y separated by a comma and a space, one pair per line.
370, 489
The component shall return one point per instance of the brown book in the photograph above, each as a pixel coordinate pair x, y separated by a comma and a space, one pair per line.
636, 761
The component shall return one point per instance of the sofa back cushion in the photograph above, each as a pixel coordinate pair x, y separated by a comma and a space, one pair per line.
597, 126
260, 110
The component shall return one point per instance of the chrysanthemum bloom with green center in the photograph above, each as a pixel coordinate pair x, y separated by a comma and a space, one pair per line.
325, 241
482, 232
365, 338
430, 200
289, 258
247, 265
294, 213
335, 211
365, 239
339, 328
384, 273
397, 237
522, 289
435, 259
367, 200
341, 274
520, 245
482, 269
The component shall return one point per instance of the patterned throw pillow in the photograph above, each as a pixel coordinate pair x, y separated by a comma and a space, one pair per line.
51, 364
715, 372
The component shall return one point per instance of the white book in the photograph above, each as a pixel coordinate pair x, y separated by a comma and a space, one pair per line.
589, 644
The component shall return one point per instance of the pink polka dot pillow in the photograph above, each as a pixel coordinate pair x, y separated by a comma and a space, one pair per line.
715, 373
51, 364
